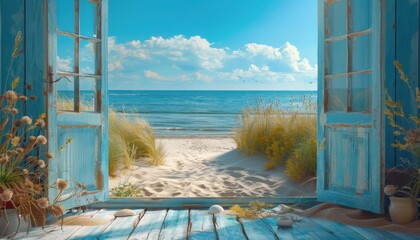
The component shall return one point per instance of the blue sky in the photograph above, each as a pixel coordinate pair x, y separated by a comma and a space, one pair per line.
213, 44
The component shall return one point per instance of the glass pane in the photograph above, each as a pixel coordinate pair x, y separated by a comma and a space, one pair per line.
361, 48
65, 94
65, 53
360, 15
361, 93
87, 57
336, 20
87, 94
87, 18
336, 94
336, 57
65, 15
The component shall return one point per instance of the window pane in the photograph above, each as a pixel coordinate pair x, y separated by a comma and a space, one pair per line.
65, 15
360, 15
336, 57
337, 94
361, 48
336, 20
87, 18
361, 93
87, 94
65, 53
65, 94
87, 57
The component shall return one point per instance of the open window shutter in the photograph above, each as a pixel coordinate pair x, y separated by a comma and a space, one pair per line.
350, 156
77, 99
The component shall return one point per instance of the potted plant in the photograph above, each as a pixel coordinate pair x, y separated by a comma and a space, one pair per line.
403, 206
405, 200
23, 170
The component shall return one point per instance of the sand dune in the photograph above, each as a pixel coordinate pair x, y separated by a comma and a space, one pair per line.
210, 167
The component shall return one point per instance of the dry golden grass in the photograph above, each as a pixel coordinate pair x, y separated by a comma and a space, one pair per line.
302, 162
137, 136
275, 131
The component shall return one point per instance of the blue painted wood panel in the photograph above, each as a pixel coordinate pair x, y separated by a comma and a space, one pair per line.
85, 158
350, 91
26, 17
403, 45
13, 21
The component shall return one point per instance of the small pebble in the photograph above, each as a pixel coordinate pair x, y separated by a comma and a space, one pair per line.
215, 209
125, 213
284, 221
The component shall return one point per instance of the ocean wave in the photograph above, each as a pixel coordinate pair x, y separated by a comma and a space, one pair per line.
134, 112
126, 94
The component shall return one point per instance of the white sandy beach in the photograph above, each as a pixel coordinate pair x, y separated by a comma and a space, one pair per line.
210, 167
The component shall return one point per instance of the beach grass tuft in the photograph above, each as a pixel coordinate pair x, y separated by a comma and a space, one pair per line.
278, 132
302, 163
138, 139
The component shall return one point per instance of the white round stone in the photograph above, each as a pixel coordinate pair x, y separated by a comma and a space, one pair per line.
216, 209
284, 221
125, 213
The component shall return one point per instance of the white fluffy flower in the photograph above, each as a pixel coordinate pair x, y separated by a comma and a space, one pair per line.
390, 190
62, 184
27, 120
41, 163
43, 202
41, 139
6, 195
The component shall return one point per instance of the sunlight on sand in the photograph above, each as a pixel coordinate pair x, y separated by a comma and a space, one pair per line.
210, 167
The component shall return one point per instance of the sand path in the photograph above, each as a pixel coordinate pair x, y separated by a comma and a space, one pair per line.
210, 167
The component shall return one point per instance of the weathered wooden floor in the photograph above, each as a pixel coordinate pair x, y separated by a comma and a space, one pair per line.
197, 224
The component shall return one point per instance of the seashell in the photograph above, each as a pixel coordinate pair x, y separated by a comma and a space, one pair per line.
294, 217
284, 221
215, 209
125, 213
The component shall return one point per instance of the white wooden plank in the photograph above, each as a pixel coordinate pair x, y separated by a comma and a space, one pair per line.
202, 226
121, 227
34, 233
175, 225
93, 232
60, 234
258, 229
149, 225
199, 202
227, 227
40, 233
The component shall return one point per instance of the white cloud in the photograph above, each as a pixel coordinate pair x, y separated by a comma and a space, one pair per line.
64, 64
264, 50
153, 75
119, 54
194, 51
258, 74
291, 57
178, 51
203, 77
181, 58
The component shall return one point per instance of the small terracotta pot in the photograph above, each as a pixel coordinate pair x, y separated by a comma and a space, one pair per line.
402, 210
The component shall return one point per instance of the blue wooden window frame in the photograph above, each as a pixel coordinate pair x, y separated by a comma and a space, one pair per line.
76, 73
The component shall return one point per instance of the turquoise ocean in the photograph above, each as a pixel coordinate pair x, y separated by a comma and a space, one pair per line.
195, 113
